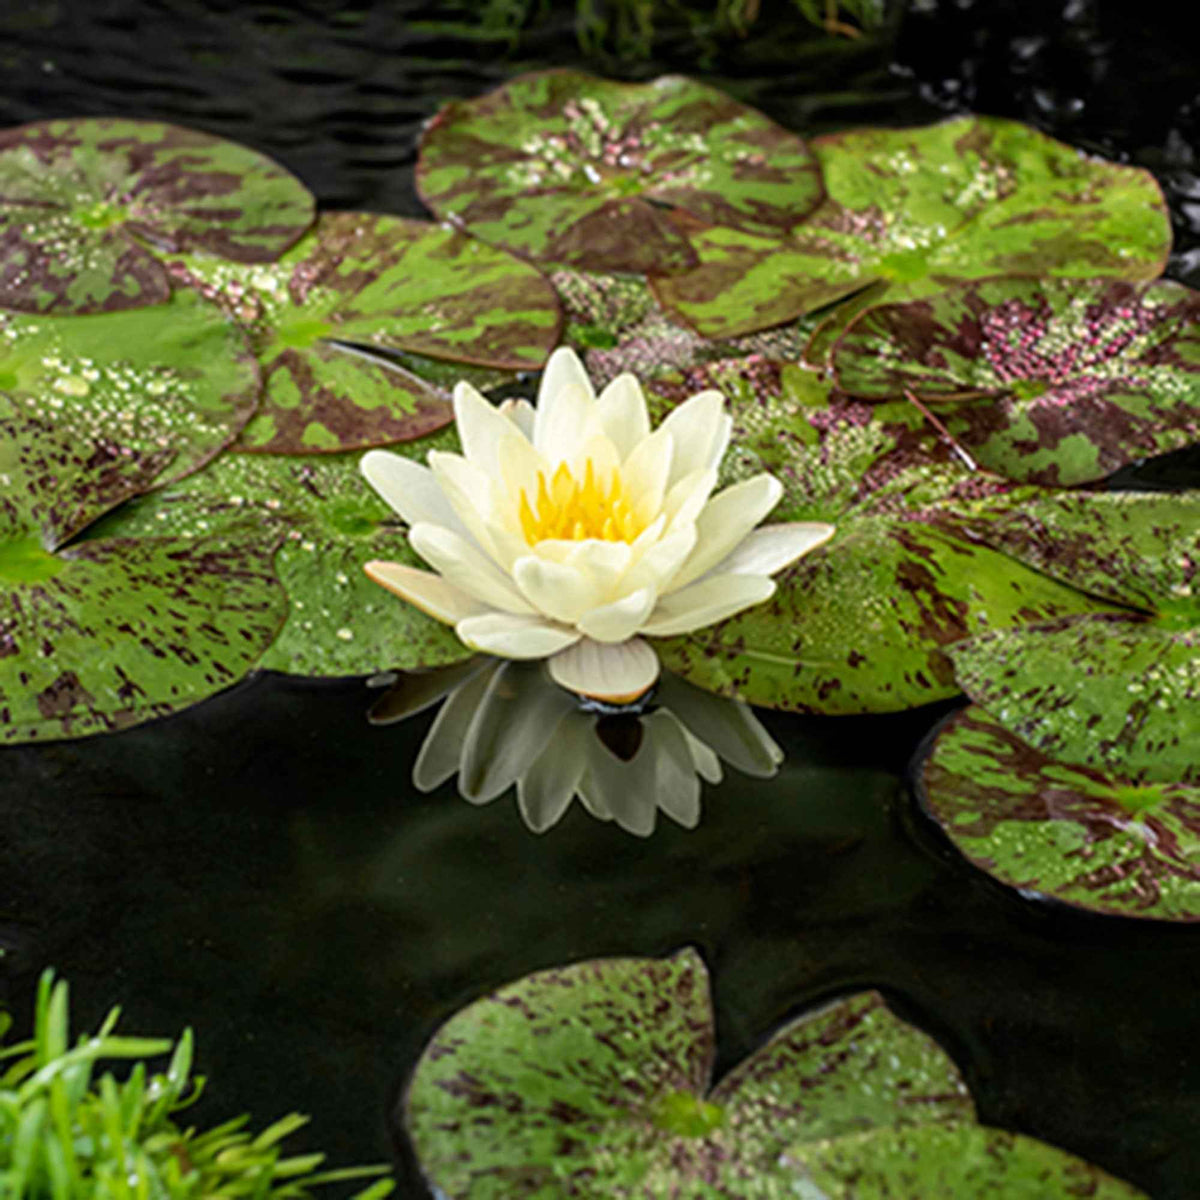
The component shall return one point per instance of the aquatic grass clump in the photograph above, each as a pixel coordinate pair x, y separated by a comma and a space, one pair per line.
67, 1134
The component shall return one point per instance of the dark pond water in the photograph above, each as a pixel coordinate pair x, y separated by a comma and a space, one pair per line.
260, 866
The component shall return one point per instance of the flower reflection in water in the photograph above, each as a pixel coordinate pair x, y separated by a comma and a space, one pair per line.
504, 722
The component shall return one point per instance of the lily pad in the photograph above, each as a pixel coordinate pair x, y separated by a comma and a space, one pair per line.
593, 1081
914, 211
98, 635
1087, 837
358, 283
178, 378
87, 205
326, 523
566, 168
859, 624
1058, 382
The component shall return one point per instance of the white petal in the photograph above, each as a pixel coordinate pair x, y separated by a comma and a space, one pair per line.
773, 547
621, 619
481, 429
614, 671
428, 592
622, 412
661, 561
409, 488
563, 423
698, 428
515, 637
724, 521
520, 413
704, 603
563, 369
645, 472
559, 591
478, 502
519, 467
687, 497
597, 447
607, 561
467, 568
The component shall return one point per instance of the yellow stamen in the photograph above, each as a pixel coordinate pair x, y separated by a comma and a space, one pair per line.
566, 508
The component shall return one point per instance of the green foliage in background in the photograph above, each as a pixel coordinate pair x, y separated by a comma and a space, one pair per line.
66, 1133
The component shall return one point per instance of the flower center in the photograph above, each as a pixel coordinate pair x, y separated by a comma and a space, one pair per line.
566, 508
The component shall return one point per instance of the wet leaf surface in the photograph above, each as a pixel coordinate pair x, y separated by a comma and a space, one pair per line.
178, 379
859, 624
412, 295
593, 1080
99, 635
1058, 382
1087, 837
566, 168
326, 522
914, 211
87, 205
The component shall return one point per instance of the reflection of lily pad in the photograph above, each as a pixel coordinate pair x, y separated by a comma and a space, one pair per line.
103, 634
385, 283
1061, 382
82, 201
593, 1081
1071, 832
859, 624
563, 167
178, 377
917, 210
326, 523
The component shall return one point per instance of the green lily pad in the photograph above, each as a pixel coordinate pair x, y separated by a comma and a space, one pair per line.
411, 296
859, 624
1117, 693
1084, 836
178, 377
1057, 382
592, 1080
563, 167
914, 211
86, 206
99, 635
326, 522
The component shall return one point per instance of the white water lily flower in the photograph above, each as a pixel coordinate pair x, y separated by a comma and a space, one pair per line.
572, 531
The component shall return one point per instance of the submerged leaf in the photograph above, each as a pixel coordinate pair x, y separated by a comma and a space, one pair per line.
1057, 382
563, 167
913, 211
1088, 837
87, 204
592, 1080
177, 380
859, 624
363, 327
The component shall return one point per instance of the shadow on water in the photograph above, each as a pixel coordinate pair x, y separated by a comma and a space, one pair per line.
262, 867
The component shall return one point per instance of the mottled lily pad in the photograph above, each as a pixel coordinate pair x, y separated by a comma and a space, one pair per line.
1057, 382
326, 523
914, 211
430, 296
98, 635
566, 168
86, 206
859, 624
177, 378
1083, 836
593, 1080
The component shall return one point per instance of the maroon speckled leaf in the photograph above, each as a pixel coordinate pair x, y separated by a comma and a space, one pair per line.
364, 326
86, 203
563, 167
1074, 833
1057, 382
